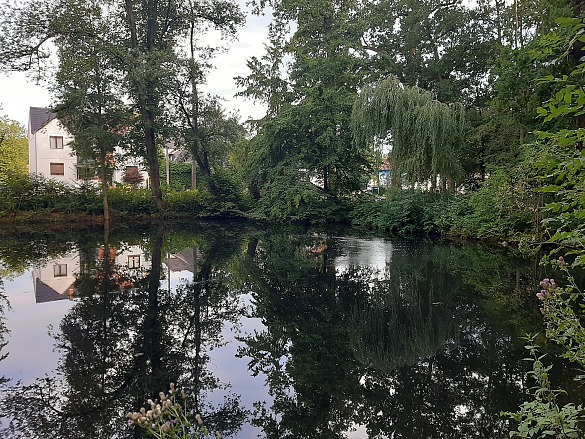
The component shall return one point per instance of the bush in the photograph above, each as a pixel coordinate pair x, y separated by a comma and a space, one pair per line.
35, 193
180, 176
223, 196
132, 201
497, 210
193, 201
402, 212
289, 198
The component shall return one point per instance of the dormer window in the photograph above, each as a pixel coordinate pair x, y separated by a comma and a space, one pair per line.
56, 142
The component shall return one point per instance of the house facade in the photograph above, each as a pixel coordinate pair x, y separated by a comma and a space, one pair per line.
49, 153
51, 156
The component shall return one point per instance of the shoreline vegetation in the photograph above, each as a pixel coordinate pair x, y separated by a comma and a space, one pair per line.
494, 216
407, 213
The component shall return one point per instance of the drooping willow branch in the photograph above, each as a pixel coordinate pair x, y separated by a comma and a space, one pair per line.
425, 133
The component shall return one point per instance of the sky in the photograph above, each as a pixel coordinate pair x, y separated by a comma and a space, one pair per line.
18, 94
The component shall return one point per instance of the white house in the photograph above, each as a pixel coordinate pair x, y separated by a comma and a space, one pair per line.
50, 154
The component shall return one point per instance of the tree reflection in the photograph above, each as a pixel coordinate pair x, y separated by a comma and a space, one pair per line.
403, 352
424, 345
124, 341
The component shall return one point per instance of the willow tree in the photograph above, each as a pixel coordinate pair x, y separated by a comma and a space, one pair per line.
425, 134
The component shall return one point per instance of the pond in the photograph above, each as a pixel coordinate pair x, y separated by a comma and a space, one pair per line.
273, 333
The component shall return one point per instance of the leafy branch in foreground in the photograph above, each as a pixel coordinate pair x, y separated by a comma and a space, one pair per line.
563, 174
544, 416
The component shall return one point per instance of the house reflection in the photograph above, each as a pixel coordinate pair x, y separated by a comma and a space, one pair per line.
185, 260
57, 279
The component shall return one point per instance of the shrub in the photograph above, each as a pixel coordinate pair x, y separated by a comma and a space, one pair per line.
192, 201
36, 193
498, 209
131, 200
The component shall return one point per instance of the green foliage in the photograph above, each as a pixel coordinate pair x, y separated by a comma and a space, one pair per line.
132, 201
402, 212
126, 49
221, 198
425, 134
308, 121
543, 416
498, 209
180, 175
495, 211
562, 177
291, 197
35, 193
210, 132
191, 201
13, 149
226, 195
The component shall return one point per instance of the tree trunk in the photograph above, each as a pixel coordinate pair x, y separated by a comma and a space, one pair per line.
106, 204
147, 102
151, 157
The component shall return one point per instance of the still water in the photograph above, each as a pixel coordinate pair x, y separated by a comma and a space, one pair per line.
284, 333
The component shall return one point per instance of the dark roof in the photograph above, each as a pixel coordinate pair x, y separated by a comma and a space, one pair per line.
184, 260
44, 293
39, 117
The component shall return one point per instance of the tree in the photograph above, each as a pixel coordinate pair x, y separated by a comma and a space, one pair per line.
88, 96
311, 120
425, 134
13, 149
144, 39
202, 123
441, 46
209, 133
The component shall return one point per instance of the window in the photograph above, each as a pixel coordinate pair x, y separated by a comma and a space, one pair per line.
134, 261
132, 176
60, 270
85, 172
56, 142
57, 169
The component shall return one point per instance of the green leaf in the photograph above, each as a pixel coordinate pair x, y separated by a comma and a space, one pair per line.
567, 21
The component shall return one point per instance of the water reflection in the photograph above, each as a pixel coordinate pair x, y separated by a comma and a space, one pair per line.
126, 339
393, 338
399, 351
